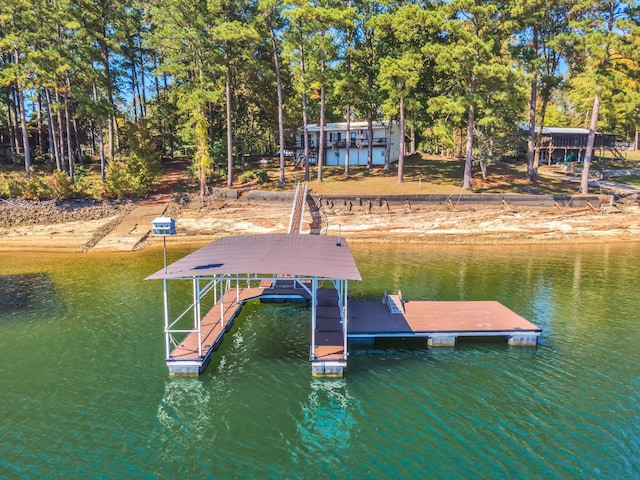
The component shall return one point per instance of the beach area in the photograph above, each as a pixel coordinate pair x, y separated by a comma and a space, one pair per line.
78, 225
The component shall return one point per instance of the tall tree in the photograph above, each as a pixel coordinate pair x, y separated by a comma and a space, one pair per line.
406, 30
599, 34
474, 54
540, 23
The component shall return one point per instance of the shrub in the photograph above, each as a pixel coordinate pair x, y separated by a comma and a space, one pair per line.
247, 176
36, 187
136, 173
11, 186
262, 176
60, 187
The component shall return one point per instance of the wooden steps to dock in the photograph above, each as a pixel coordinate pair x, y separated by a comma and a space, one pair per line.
297, 209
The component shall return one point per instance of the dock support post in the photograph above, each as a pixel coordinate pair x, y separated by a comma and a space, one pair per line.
314, 301
167, 332
442, 341
345, 314
523, 340
197, 313
221, 301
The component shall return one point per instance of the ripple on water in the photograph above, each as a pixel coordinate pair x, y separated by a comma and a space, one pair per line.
86, 391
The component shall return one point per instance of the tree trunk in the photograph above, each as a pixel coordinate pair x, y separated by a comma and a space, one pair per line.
69, 142
468, 160
23, 120
143, 86
134, 85
229, 124
61, 133
532, 168
12, 132
110, 136
52, 129
305, 119
584, 184
347, 142
321, 134
92, 138
413, 139
51, 137
401, 147
276, 61
369, 143
41, 138
113, 127
25, 132
387, 148
103, 160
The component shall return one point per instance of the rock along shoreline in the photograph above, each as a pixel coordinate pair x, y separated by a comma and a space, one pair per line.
76, 225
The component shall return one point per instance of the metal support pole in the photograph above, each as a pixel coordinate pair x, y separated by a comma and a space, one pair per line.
198, 316
165, 294
221, 304
314, 298
344, 318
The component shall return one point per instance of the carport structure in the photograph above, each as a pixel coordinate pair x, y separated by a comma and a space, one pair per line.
273, 267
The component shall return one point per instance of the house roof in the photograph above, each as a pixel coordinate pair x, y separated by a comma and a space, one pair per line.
273, 254
569, 131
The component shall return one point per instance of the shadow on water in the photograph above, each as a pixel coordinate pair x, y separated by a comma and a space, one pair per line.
26, 293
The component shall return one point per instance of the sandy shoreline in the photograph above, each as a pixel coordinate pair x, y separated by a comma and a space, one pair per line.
200, 222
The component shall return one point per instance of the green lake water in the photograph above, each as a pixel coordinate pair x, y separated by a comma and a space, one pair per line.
86, 394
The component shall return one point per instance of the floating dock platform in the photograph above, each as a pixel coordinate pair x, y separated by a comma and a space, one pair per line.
441, 323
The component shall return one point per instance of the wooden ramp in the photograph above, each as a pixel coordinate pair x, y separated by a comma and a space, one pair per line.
297, 209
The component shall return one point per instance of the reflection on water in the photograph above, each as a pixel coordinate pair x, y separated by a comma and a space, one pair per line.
26, 291
327, 415
327, 422
184, 410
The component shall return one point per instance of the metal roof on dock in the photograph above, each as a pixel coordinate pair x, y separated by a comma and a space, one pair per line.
273, 254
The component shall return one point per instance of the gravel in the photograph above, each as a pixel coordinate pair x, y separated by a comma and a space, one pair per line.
18, 212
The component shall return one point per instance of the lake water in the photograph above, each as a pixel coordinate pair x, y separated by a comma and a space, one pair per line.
86, 393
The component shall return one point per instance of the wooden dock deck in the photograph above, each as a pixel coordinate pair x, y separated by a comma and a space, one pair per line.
441, 322
187, 358
329, 334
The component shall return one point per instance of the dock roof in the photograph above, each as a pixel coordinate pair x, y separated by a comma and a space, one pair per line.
273, 254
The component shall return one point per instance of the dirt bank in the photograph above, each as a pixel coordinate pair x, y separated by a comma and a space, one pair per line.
73, 226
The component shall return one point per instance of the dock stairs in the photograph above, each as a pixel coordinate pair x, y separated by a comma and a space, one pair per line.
394, 302
297, 209
318, 224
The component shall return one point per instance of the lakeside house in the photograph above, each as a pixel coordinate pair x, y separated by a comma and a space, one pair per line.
570, 144
385, 141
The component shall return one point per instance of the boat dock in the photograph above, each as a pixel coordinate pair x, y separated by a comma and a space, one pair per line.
313, 270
